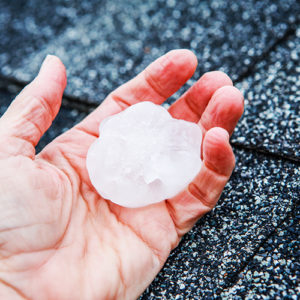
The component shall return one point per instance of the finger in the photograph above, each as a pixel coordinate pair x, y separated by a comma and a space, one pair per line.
203, 193
193, 102
33, 110
156, 83
223, 110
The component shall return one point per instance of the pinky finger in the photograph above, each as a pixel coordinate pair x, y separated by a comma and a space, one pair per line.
203, 193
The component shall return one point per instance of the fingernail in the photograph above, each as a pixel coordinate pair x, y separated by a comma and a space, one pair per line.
226, 133
47, 60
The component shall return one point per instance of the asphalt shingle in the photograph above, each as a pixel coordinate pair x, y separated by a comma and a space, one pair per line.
260, 194
274, 271
271, 121
105, 43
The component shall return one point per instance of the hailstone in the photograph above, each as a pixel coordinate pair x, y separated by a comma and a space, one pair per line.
143, 156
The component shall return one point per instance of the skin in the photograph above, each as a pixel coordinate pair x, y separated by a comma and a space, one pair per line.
58, 238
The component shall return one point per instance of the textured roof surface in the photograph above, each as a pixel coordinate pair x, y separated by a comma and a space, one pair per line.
248, 246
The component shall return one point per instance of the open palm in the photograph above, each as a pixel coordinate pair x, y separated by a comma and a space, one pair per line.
58, 238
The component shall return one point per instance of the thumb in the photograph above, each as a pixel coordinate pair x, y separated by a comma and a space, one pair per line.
33, 110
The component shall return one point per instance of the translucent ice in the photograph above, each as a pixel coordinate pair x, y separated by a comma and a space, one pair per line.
144, 156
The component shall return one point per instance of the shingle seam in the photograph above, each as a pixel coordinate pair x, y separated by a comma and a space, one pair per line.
291, 31
276, 155
244, 265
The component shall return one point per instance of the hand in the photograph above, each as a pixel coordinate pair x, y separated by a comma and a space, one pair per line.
58, 238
